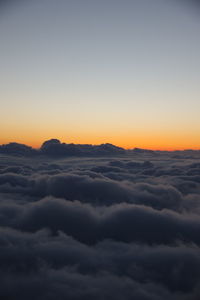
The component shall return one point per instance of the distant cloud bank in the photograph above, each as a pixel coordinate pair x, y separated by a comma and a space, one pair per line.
54, 148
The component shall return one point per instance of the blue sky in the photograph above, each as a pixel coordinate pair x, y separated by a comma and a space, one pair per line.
125, 72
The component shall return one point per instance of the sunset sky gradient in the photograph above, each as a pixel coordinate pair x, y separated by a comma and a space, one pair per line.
88, 71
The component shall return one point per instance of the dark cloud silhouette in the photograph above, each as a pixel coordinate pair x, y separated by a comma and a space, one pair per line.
17, 149
55, 148
108, 224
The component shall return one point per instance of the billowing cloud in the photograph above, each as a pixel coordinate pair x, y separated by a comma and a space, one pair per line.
99, 226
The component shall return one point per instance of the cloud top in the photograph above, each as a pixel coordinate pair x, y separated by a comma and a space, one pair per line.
99, 226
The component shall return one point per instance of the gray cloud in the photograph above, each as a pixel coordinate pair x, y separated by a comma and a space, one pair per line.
100, 226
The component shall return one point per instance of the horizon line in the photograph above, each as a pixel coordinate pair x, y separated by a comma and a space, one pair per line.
170, 149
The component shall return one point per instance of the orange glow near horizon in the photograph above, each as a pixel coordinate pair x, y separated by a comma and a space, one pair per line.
154, 141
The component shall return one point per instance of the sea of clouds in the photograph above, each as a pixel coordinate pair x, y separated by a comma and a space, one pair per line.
114, 225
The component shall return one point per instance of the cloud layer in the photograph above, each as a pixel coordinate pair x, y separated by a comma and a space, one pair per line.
104, 227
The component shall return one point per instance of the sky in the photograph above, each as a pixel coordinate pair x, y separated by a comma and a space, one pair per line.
88, 71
